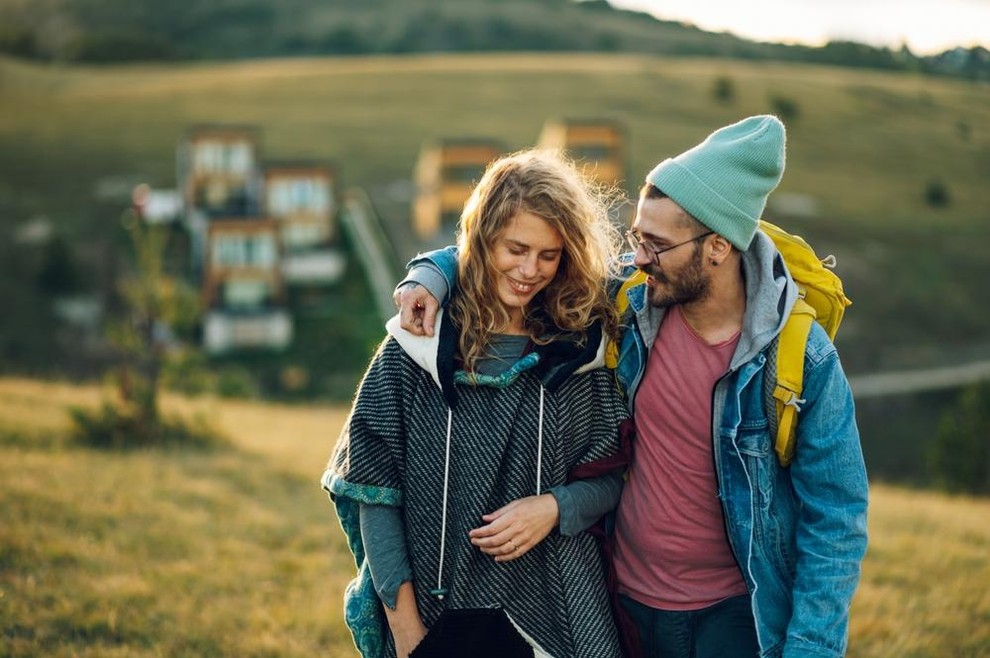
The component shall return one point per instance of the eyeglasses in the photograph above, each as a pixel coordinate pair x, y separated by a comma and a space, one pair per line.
636, 241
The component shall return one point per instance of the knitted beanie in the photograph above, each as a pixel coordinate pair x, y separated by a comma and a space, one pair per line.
724, 181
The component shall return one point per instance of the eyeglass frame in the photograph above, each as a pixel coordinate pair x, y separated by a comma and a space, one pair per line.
637, 242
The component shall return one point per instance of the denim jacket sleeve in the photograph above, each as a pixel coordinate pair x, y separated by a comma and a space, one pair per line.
435, 270
829, 479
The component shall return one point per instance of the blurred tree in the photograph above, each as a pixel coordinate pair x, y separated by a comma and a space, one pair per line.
122, 46
937, 194
59, 274
724, 90
960, 456
157, 303
344, 40
964, 130
786, 108
156, 306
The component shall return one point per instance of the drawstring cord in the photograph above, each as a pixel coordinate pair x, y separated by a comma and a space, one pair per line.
539, 444
440, 590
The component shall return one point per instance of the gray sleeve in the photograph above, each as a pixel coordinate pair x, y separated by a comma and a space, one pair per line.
384, 536
430, 277
583, 502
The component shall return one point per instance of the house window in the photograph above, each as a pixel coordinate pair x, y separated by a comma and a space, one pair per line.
591, 152
223, 157
228, 251
258, 250
465, 173
237, 158
246, 294
300, 194
303, 235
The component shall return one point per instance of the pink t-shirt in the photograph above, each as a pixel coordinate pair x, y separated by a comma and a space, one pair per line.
672, 552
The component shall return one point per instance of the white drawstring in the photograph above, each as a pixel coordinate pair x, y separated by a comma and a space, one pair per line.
539, 444
439, 592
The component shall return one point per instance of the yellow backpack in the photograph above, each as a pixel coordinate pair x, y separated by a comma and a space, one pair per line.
820, 298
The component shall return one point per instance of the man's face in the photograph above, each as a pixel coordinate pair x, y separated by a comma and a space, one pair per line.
676, 276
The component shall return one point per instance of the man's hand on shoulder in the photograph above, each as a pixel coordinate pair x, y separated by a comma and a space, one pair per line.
417, 309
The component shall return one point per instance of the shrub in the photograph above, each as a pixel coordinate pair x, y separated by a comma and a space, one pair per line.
937, 194
786, 108
960, 455
724, 90
964, 130
120, 427
236, 382
187, 372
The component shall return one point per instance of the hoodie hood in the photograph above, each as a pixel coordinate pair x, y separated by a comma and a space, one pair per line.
553, 363
770, 296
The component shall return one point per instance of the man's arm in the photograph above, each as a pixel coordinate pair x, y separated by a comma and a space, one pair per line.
433, 275
427, 286
829, 477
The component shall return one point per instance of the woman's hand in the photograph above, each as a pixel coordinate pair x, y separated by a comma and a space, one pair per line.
408, 638
407, 628
510, 531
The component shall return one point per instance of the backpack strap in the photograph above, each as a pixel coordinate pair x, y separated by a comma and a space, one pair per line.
790, 378
622, 305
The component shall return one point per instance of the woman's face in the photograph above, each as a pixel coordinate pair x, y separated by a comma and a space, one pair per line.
526, 256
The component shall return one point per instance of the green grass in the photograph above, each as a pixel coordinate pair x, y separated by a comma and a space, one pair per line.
237, 552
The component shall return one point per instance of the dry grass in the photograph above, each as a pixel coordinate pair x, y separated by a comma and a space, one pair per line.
237, 553
164, 553
926, 586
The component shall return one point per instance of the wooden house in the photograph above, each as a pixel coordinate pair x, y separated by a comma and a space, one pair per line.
598, 144
446, 173
242, 286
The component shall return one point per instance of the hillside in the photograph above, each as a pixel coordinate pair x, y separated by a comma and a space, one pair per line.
865, 152
237, 552
145, 30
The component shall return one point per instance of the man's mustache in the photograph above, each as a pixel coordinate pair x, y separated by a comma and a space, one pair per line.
654, 271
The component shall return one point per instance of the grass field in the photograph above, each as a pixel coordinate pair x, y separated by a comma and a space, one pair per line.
236, 552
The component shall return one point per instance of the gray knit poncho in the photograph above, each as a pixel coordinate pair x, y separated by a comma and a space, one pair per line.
392, 451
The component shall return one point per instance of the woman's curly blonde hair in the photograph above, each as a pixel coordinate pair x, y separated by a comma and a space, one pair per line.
549, 185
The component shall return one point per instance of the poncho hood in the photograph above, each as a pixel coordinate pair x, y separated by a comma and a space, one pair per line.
553, 362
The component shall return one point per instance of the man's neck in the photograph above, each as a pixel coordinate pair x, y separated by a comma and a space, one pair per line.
719, 316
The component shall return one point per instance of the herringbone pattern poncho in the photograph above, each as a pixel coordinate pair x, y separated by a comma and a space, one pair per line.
392, 452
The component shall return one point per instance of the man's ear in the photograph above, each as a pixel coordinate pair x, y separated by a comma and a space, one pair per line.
718, 250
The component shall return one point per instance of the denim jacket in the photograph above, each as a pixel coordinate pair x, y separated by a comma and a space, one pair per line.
798, 533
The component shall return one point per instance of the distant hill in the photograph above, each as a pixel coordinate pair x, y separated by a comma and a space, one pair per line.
148, 30
885, 170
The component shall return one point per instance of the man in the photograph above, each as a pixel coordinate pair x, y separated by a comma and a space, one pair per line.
720, 551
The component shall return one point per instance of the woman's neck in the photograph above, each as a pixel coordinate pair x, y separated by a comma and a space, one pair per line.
517, 325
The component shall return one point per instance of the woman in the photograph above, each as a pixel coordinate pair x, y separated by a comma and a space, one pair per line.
451, 475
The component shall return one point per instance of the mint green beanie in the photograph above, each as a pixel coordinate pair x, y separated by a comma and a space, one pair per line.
724, 181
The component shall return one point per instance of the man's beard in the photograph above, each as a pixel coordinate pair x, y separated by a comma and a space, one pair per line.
689, 285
